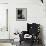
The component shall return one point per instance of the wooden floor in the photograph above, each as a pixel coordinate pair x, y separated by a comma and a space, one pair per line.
27, 44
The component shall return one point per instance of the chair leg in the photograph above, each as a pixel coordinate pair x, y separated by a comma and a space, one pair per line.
20, 42
32, 42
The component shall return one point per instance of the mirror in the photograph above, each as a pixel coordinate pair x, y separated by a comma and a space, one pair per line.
3, 17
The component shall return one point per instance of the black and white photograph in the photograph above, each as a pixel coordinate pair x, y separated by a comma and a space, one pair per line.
21, 14
22, 22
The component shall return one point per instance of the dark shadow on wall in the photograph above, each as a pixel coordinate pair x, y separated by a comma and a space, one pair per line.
41, 35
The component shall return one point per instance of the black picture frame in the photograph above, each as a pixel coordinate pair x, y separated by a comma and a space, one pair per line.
21, 14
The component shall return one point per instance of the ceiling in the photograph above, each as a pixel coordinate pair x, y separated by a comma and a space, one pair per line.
3, 1
6, 1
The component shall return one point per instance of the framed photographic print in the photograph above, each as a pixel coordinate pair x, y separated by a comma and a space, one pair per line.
21, 14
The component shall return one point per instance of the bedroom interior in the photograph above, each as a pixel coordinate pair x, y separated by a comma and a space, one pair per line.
14, 16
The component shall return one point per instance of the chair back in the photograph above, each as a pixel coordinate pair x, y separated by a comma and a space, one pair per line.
33, 28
